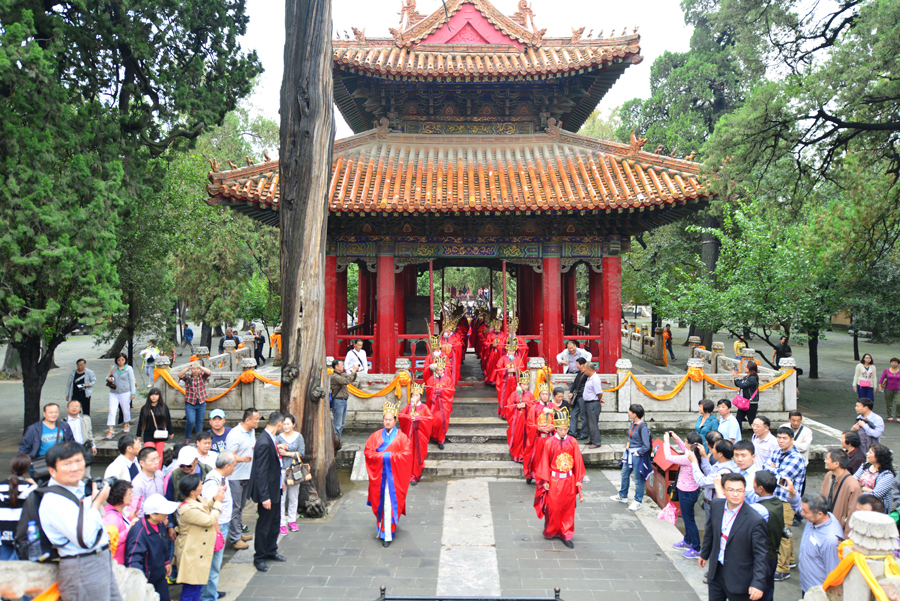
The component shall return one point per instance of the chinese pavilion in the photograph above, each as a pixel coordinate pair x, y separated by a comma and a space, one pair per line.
465, 153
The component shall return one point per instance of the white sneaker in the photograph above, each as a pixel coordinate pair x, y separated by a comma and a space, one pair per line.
618, 499
634, 506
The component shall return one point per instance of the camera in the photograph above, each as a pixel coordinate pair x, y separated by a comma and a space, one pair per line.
98, 482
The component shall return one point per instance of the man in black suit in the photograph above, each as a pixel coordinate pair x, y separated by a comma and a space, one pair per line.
735, 538
265, 489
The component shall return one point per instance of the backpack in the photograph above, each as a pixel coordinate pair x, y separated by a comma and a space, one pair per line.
31, 513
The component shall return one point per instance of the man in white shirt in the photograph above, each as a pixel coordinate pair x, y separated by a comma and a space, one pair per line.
205, 455
224, 468
728, 425
593, 400
764, 443
569, 357
356, 356
241, 441
802, 435
125, 466
81, 428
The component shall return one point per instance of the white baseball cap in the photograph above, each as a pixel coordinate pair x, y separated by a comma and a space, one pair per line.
187, 455
156, 503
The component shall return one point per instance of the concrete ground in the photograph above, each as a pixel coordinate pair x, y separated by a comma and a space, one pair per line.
616, 551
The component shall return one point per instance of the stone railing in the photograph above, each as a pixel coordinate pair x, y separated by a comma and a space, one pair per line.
26, 579
642, 345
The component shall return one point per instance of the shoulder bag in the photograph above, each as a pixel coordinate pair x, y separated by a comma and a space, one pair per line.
297, 473
157, 433
741, 403
110, 381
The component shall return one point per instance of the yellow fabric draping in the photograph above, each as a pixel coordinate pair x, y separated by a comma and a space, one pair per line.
854, 558
246, 378
694, 373
400, 381
157, 372
543, 376
661, 397
51, 594
621, 384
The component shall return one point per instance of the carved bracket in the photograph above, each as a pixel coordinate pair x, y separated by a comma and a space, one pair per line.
566, 264
371, 265
596, 265
537, 264
343, 262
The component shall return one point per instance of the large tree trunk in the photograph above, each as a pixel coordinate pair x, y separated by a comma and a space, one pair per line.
117, 345
35, 367
206, 337
709, 254
307, 140
814, 354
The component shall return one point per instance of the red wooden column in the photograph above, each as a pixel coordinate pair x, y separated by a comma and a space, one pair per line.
386, 343
340, 310
612, 313
571, 302
400, 281
525, 290
595, 305
537, 307
330, 306
553, 335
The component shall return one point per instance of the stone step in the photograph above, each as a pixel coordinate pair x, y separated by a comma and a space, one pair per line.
474, 408
477, 422
438, 468
463, 435
470, 451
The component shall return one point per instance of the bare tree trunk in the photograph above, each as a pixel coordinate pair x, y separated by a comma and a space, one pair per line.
36, 364
307, 140
709, 254
814, 354
206, 337
117, 345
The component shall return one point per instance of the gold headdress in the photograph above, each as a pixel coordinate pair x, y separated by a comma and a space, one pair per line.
512, 343
561, 417
440, 363
542, 387
391, 408
416, 388
524, 377
513, 324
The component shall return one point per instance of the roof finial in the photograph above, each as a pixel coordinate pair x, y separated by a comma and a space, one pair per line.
359, 34
249, 160
576, 34
590, 34
691, 156
213, 164
636, 143
231, 164
266, 156
674, 150
635, 29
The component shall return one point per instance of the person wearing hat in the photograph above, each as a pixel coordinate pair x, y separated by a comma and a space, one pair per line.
146, 547
389, 465
518, 404
188, 462
539, 426
416, 422
218, 429
440, 401
559, 472
506, 374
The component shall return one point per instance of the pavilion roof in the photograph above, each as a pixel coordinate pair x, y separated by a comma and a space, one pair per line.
381, 172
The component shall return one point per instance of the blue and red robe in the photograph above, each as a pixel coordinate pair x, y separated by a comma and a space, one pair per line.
389, 465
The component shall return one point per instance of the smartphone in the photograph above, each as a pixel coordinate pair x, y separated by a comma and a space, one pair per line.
784, 482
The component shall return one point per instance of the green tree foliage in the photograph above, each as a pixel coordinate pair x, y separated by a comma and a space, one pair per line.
604, 128
89, 93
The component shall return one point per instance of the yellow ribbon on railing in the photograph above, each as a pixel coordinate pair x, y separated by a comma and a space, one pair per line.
400, 381
157, 372
51, 594
694, 373
246, 378
854, 558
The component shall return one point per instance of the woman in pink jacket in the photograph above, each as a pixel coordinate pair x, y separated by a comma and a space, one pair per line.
119, 515
688, 490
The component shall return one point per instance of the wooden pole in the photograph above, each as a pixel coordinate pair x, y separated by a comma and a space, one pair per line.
307, 140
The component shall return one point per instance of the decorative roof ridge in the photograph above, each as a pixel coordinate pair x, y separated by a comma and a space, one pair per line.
443, 14
627, 151
556, 42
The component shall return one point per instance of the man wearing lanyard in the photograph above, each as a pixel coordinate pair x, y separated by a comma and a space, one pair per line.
265, 488
735, 535
356, 356
593, 399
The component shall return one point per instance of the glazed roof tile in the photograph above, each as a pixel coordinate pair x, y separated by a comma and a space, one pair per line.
415, 173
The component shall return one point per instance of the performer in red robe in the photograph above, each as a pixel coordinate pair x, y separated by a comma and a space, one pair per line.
506, 374
389, 465
416, 422
560, 473
539, 427
518, 405
498, 346
440, 402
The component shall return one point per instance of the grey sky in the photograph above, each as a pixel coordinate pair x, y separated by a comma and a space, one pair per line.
661, 25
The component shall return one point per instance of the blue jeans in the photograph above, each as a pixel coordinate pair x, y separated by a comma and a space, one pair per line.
638, 481
193, 415
687, 500
866, 392
211, 590
339, 414
8, 552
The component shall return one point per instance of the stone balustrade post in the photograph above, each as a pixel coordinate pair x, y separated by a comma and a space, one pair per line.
695, 387
659, 345
249, 344
249, 390
693, 342
872, 534
401, 365
623, 398
718, 349
203, 356
535, 364
790, 384
168, 393
229, 347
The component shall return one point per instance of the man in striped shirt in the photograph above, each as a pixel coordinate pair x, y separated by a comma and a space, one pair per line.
788, 465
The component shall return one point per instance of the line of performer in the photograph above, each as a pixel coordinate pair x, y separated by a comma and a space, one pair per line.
537, 428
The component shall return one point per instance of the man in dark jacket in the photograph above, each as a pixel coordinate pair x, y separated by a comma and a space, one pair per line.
735, 543
146, 547
41, 436
229, 335
340, 379
265, 489
765, 485
576, 401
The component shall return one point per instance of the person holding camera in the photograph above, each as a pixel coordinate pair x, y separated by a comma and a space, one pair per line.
869, 425
118, 514
194, 377
688, 489
789, 468
72, 522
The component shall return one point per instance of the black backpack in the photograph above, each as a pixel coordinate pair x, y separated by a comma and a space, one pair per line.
31, 513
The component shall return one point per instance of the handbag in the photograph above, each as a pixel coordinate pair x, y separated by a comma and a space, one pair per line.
672, 489
297, 473
220, 542
110, 382
88, 452
157, 433
741, 403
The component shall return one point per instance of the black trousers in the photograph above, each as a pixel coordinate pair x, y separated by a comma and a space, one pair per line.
576, 410
266, 539
717, 591
592, 411
769, 593
749, 415
162, 589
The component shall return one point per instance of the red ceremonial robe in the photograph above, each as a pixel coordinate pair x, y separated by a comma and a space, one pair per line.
417, 423
389, 465
561, 465
440, 402
505, 381
516, 431
535, 443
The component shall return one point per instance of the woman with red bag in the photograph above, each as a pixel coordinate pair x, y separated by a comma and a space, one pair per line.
748, 395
